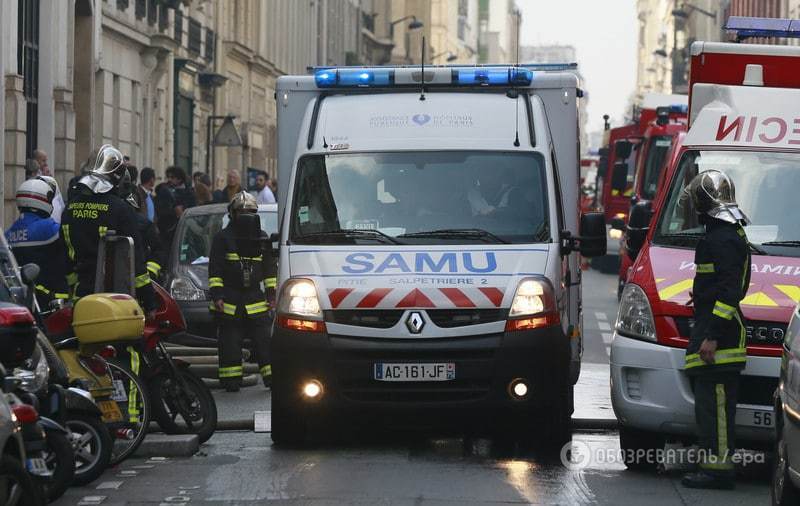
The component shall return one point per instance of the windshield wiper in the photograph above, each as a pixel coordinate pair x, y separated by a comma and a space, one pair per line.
352, 233
458, 233
757, 249
791, 244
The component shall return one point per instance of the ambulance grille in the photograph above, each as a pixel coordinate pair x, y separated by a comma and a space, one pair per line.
372, 318
449, 318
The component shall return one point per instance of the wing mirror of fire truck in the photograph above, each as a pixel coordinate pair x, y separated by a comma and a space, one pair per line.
619, 178
638, 226
592, 240
623, 149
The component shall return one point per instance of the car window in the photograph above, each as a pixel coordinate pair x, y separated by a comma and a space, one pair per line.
197, 232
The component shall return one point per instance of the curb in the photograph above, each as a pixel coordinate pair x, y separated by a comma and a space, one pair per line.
162, 445
595, 424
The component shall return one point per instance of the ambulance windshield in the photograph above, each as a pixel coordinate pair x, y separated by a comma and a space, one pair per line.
766, 190
420, 198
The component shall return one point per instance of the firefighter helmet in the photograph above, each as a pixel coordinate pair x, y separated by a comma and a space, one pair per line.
714, 194
109, 164
35, 195
242, 202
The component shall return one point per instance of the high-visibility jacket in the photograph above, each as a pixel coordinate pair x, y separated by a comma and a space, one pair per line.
722, 276
85, 221
35, 239
240, 280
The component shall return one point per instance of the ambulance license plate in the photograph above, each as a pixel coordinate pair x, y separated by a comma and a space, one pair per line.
445, 371
110, 410
755, 416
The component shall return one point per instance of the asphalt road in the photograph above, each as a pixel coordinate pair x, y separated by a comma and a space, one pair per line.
393, 467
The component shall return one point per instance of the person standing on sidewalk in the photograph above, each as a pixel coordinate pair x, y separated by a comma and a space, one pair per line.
241, 279
716, 353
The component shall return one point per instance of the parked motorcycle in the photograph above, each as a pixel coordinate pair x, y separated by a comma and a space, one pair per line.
119, 393
46, 385
49, 456
50, 459
181, 402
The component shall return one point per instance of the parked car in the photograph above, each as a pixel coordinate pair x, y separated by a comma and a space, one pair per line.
187, 276
786, 473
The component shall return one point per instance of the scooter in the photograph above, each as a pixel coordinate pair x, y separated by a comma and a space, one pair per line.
181, 402
49, 455
46, 386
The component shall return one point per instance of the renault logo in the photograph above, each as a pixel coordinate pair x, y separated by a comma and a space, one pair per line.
415, 322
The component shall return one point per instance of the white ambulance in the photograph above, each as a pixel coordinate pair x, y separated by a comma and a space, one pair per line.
429, 242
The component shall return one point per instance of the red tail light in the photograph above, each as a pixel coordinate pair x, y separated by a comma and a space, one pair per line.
108, 352
96, 365
25, 413
15, 315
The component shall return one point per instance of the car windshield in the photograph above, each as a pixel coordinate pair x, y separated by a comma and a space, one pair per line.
657, 152
766, 184
420, 198
198, 230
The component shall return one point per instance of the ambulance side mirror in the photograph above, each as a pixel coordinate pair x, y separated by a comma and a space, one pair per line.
638, 226
619, 179
592, 240
623, 149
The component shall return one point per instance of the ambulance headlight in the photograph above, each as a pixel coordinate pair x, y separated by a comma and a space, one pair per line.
533, 297
299, 297
635, 318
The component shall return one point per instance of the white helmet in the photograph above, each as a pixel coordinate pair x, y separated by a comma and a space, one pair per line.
35, 194
109, 164
51, 181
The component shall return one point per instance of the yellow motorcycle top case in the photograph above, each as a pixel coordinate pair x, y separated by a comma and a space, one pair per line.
107, 318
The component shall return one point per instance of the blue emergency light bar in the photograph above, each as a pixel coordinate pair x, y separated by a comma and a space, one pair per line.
746, 27
382, 77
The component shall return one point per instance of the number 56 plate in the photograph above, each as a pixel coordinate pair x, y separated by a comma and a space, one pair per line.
755, 416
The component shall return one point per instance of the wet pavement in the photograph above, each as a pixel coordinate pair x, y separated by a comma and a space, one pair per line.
418, 468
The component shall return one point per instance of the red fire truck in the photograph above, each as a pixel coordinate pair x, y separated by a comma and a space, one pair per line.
745, 121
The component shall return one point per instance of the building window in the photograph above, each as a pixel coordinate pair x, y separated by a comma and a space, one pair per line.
28, 67
163, 18
210, 44
178, 36
195, 35
152, 13
140, 9
122, 4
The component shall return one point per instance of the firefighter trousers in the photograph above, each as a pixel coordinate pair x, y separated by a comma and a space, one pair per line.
230, 339
715, 395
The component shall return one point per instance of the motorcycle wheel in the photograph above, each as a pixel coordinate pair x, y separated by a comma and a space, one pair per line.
91, 444
125, 446
60, 461
16, 485
189, 410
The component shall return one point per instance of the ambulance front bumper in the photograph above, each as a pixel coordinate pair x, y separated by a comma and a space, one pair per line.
650, 391
484, 368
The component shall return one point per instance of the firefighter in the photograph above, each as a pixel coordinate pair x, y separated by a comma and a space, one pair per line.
241, 278
94, 209
716, 353
34, 238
